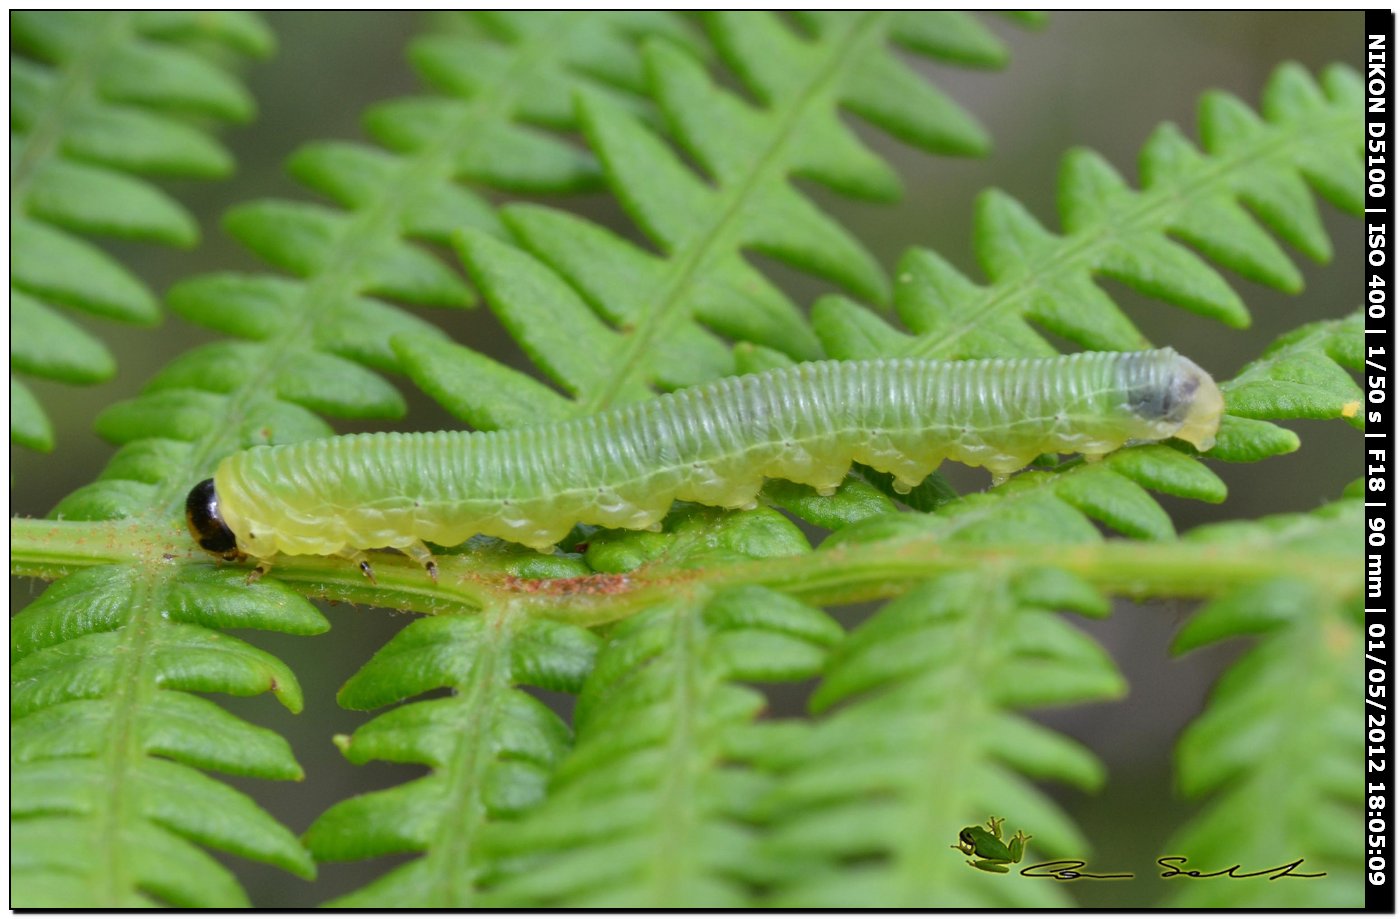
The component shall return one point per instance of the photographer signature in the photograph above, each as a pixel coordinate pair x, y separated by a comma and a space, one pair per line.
1068, 869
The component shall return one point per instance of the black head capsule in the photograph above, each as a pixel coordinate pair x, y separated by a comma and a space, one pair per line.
206, 526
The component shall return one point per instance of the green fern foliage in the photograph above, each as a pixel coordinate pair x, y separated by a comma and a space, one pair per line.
921, 738
106, 739
494, 750
649, 807
657, 316
1251, 170
1277, 745
312, 344
1302, 375
99, 100
669, 784
1305, 375
544, 60
1115, 492
491, 747
320, 335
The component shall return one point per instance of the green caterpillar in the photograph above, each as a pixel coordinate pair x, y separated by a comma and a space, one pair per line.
713, 444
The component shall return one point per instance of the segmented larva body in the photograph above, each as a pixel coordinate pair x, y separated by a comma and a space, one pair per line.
713, 444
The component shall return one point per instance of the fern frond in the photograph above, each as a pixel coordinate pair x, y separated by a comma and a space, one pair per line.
490, 747
1301, 375
98, 99
600, 53
638, 320
106, 739
868, 800
1252, 170
648, 808
503, 71
1277, 743
1304, 375
312, 342
1059, 504
310, 336
493, 749
677, 791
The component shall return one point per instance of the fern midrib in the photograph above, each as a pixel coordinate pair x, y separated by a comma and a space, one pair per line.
714, 241
1072, 256
337, 280
371, 227
677, 821
76, 84
451, 848
948, 741
132, 685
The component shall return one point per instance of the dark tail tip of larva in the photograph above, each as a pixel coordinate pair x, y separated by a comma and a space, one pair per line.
1168, 387
1156, 390
1200, 420
205, 523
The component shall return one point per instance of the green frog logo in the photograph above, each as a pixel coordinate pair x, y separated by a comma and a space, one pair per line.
989, 852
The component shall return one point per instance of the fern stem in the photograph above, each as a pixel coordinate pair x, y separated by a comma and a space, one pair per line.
844, 574
676, 816
1138, 570
53, 548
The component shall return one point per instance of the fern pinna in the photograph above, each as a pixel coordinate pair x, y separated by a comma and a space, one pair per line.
1252, 170
97, 100
669, 785
607, 320
314, 337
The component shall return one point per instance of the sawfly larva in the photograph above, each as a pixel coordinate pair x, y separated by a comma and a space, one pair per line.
713, 444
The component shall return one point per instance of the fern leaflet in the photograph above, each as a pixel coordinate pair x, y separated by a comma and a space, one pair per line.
647, 808
310, 338
490, 745
98, 99
1309, 136
633, 320
1276, 740
868, 799
106, 740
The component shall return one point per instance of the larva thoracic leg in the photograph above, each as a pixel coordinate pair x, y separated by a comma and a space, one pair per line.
361, 561
419, 552
713, 444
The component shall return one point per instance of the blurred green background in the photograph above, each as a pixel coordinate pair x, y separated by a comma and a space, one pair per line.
1100, 80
